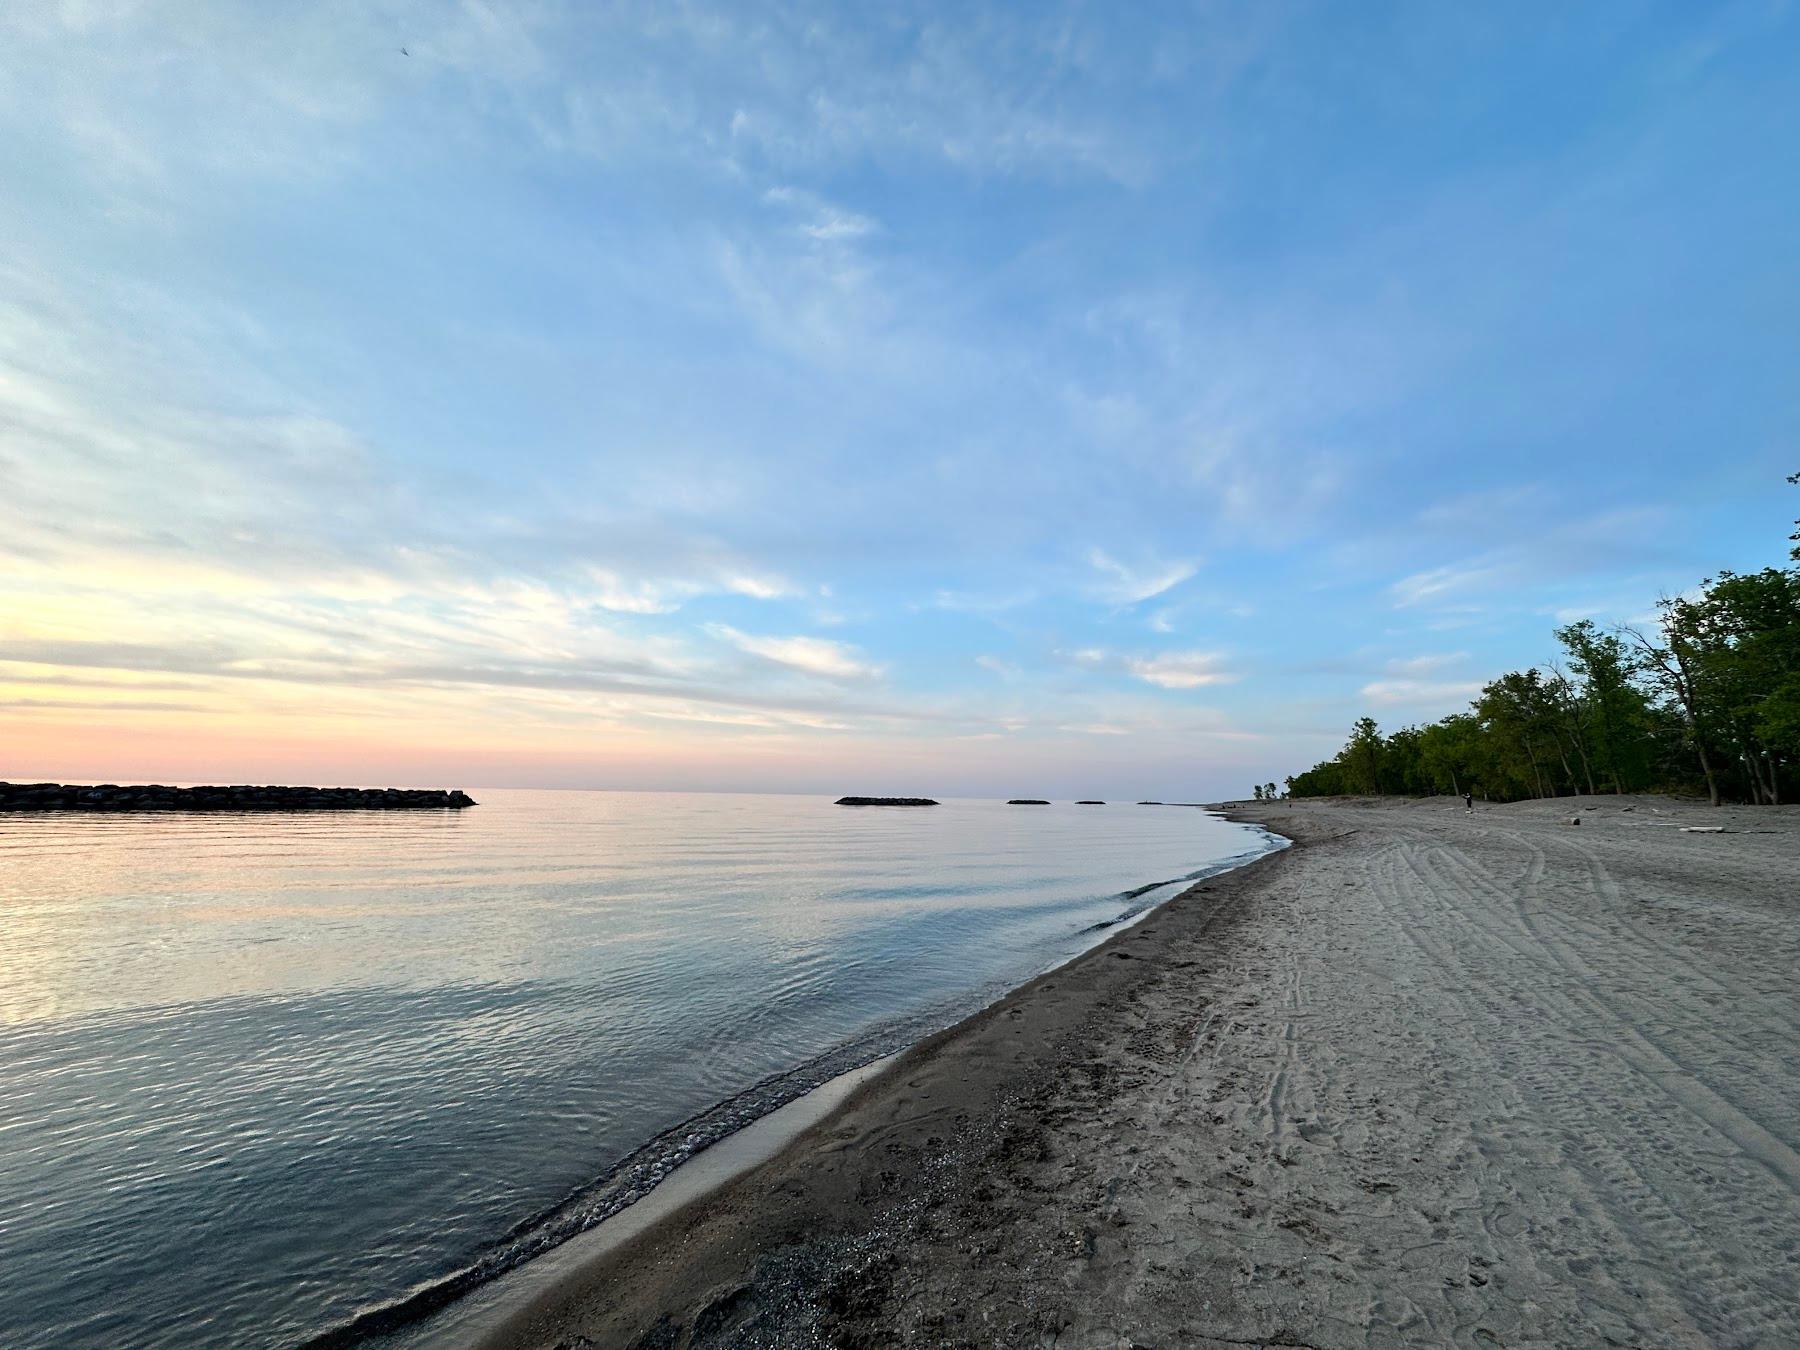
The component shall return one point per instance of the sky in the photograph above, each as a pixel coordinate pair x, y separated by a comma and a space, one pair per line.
965, 399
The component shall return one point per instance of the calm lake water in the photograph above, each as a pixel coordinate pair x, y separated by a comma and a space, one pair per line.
262, 1075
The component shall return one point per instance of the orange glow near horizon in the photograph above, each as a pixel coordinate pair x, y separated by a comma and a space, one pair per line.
126, 676
437, 749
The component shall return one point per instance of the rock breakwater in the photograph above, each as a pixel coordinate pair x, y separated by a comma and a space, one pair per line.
159, 797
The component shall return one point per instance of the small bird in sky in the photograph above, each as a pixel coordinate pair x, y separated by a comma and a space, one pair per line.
404, 52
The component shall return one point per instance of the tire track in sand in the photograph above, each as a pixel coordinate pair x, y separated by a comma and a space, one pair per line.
1594, 992
1399, 884
1619, 1143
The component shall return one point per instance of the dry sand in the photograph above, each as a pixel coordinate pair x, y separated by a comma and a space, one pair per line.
1424, 1079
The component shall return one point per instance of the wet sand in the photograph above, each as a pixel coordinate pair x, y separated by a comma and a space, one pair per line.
1423, 1079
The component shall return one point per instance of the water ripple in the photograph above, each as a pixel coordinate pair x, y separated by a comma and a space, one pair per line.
265, 1078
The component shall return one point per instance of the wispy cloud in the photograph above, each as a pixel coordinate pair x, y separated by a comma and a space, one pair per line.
1558, 553
820, 220
1441, 584
1132, 585
1415, 666
1420, 693
1513, 507
1094, 658
1180, 670
809, 655
967, 602
102, 705
1166, 670
758, 588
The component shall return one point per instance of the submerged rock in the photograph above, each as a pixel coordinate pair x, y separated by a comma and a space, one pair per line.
885, 801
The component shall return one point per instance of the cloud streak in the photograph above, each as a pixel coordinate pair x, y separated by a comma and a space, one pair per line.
1180, 670
1133, 585
808, 655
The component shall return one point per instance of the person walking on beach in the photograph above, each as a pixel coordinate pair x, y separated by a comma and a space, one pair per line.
1469, 802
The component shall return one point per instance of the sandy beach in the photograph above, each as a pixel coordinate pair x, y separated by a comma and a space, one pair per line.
1423, 1079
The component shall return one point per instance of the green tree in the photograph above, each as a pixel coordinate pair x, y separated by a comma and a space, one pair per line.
1325, 779
1361, 758
1614, 706
1448, 753
1715, 687
1517, 712
1746, 637
1794, 552
1571, 724
1672, 668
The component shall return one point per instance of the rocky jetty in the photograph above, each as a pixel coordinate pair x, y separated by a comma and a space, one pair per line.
1028, 801
1090, 802
885, 801
157, 797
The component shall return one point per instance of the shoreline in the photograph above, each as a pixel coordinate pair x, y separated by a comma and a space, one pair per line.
1423, 1077
525, 1322
440, 1311
484, 1310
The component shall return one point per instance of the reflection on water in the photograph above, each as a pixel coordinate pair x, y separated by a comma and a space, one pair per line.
259, 1073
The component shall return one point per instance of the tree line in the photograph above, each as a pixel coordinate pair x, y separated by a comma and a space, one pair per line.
1704, 699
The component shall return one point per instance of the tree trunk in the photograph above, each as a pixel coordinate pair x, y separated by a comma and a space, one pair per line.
1610, 744
1756, 784
1684, 688
1758, 763
1579, 741
1568, 772
1587, 770
1759, 791
1712, 783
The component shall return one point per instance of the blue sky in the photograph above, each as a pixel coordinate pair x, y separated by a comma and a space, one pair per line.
968, 398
